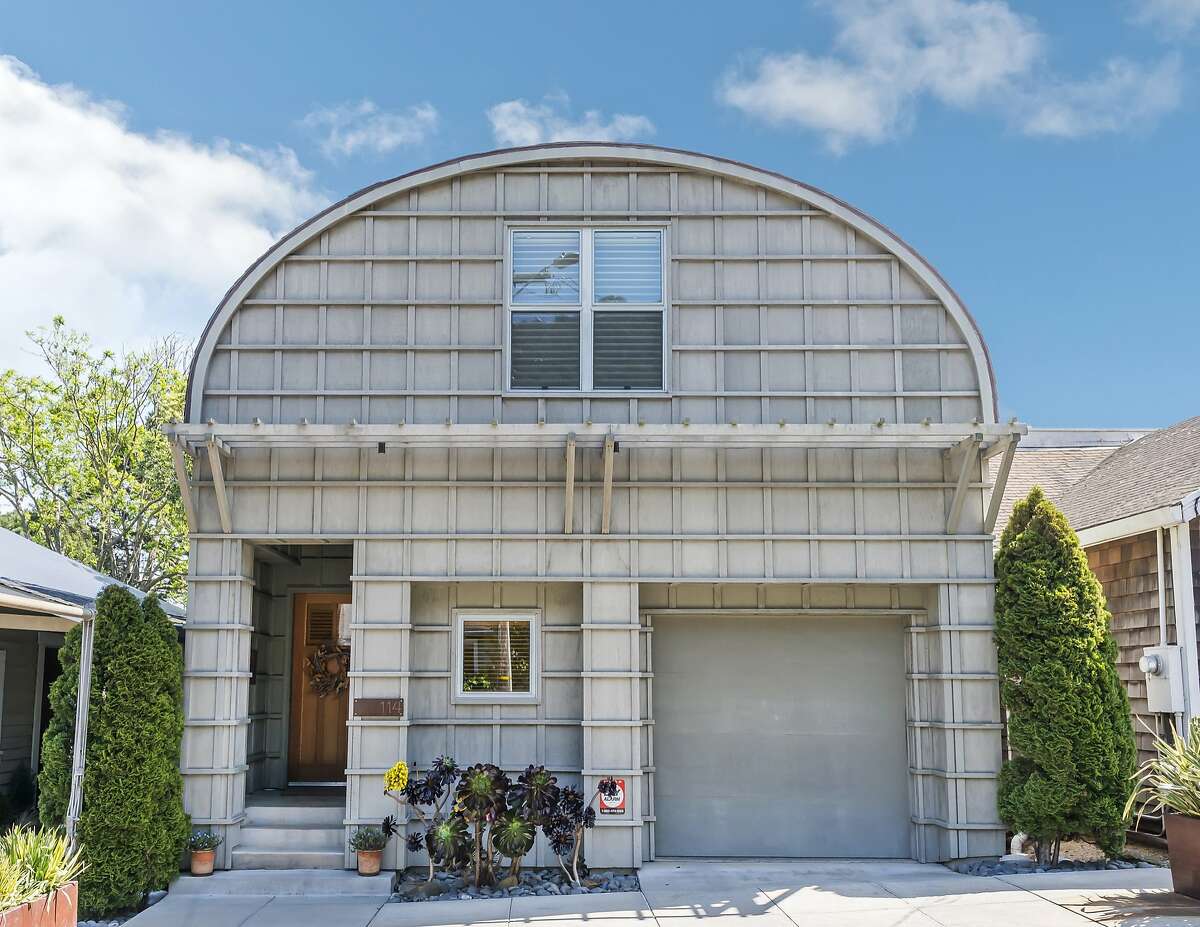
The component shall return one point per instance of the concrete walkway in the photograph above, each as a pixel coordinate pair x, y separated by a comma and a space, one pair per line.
802, 894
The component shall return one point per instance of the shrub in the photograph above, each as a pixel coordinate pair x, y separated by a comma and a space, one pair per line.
132, 829
1069, 726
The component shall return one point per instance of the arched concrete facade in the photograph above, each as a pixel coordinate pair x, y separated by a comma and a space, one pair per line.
814, 452
681, 189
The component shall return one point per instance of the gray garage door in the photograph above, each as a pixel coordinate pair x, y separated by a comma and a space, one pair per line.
780, 736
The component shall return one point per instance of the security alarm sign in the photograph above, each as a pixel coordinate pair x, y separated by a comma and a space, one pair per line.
614, 804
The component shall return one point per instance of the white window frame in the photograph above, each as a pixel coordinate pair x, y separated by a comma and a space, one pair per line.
534, 617
586, 307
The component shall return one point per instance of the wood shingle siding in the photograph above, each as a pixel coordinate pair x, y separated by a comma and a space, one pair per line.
1128, 572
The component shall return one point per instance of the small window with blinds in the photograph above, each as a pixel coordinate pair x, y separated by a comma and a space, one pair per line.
586, 309
496, 656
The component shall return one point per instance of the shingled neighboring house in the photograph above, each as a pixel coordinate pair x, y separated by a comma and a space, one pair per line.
1136, 508
43, 594
1056, 459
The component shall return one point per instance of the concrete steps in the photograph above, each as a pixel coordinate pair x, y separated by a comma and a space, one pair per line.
289, 882
280, 859
284, 833
299, 838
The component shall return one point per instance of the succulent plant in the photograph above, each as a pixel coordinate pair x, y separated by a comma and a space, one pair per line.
513, 835
535, 794
368, 838
482, 792
447, 840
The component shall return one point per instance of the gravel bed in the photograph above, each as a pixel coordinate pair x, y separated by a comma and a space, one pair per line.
995, 867
539, 882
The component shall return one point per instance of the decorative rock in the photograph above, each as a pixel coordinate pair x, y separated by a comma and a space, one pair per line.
156, 897
414, 887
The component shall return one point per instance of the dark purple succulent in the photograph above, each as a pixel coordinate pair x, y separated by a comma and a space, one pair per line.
535, 794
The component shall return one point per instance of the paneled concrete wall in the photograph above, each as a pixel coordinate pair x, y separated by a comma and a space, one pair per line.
696, 514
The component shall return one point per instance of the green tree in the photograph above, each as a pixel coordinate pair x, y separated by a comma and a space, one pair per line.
132, 828
1069, 725
84, 467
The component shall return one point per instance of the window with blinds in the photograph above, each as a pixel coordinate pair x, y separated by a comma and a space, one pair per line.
599, 317
496, 657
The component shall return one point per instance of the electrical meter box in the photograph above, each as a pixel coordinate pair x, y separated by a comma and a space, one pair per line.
1163, 667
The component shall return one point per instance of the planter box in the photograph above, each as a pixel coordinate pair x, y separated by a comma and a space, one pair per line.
58, 909
1183, 845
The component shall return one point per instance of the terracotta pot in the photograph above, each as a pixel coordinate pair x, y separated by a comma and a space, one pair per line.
202, 862
1183, 846
58, 909
369, 862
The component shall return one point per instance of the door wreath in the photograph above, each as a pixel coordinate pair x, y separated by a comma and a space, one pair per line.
327, 668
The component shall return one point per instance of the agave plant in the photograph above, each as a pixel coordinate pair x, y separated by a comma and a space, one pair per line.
513, 835
1170, 780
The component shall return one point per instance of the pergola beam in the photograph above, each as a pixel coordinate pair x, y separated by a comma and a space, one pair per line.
569, 487
218, 475
610, 444
932, 436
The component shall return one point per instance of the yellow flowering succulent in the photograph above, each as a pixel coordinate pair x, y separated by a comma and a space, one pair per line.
396, 778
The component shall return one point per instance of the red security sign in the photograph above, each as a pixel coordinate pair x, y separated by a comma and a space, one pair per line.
614, 804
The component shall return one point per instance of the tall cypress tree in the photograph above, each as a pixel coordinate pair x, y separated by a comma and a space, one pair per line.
1069, 726
132, 829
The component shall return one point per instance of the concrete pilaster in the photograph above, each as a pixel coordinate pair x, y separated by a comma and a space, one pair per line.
380, 663
954, 726
612, 717
216, 687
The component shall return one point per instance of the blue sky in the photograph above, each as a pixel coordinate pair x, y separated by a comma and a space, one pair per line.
1041, 155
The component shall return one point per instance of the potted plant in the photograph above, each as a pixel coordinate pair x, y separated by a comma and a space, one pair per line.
1170, 783
203, 846
368, 843
38, 878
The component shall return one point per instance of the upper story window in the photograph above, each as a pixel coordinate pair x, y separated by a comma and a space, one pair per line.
586, 309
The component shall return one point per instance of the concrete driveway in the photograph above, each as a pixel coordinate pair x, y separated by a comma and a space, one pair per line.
768, 894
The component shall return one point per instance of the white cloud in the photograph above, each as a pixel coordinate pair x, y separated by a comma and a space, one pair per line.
353, 127
128, 235
1174, 17
891, 56
519, 122
1124, 96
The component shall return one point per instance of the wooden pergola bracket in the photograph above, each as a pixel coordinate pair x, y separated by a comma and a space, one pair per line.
610, 446
218, 475
969, 448
999, 484
569, 487
185, 488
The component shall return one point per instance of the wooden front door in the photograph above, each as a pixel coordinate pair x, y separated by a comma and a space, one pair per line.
317, 730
